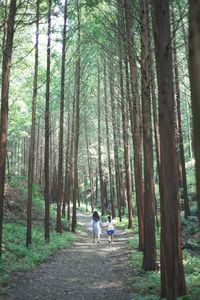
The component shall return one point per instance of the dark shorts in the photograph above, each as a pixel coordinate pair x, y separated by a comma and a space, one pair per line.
110, 232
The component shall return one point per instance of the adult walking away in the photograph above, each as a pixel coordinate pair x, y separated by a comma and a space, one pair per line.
96, 226
110, 229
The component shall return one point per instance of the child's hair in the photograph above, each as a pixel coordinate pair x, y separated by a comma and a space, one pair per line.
109, 218
96, 215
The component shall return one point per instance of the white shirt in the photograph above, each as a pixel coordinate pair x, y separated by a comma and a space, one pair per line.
110, 225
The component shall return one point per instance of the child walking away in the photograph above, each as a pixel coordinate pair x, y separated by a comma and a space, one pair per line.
110, 229
96, 226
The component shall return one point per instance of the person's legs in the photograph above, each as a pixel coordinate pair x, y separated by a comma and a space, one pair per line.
93, 237
98, 238
111, 238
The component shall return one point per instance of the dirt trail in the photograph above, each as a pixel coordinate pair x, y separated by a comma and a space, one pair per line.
85, 270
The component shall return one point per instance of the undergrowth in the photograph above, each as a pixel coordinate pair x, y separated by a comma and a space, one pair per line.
17, 257
146, 286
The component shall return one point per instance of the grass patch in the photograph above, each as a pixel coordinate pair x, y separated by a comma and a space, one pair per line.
83, 209
17, 257
192, 274
146, 286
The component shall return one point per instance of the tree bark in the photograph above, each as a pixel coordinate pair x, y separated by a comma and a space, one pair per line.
96, 194
37, 160
125, 129
85, 190
116, 155
149, 257
185, 39
108, 145
62, 101
136, 115
77, 121
99, 147
194, 71
172, 274
71, 163
7, 58
156, 135
180, 132
89, 167
67, 163
32, 142
47, 133
125, 125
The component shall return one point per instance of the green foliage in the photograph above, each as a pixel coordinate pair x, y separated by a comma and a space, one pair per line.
191, 181
38, 210
16, 256
145, 285
82, 208
4, 280
191, 224
124, 223
146, 298
20, 182
38, 200
92, 3
192, 274
186, 297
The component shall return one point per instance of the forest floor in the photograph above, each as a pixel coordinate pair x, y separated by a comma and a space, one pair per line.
85, 270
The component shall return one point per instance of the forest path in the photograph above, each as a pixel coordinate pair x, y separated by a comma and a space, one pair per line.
85, 270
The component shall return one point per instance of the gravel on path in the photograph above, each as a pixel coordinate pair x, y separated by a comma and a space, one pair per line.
84, 271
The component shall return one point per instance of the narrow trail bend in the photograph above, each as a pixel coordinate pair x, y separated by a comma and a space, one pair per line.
85, 270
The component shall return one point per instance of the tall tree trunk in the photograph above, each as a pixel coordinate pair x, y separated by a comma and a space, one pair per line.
32, 142
71, 163
172, 274
116, 154
66, 180
67, 163
89, 167
78, 190
108, 146
194, 68
62, 100
132, 173
105, 182
189, 131
125, 125
155, 118
99, 147
96, 186
37, 160
185, 39
149, 257
25, 157
7, 58
47, 134
85, 190
180, 132
156, 134
41, 169
18, 159
77, 121
4, 28
135, 106
125, 129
